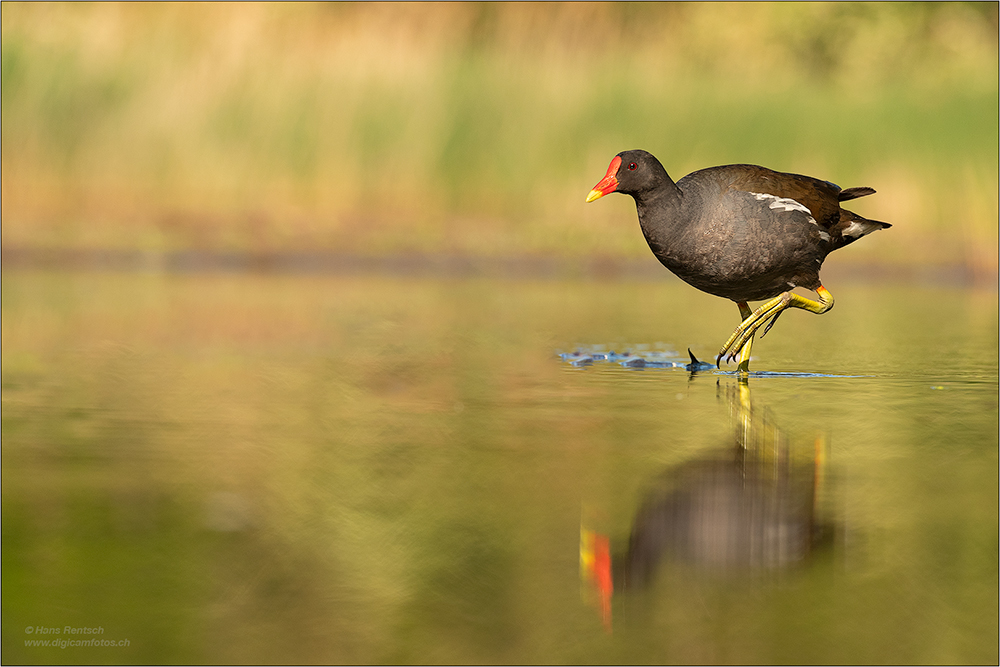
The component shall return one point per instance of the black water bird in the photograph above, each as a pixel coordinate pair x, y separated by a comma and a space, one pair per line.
742, 232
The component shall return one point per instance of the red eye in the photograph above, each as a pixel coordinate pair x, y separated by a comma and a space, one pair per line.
632, 166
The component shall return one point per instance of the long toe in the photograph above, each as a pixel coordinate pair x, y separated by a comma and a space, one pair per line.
745, 331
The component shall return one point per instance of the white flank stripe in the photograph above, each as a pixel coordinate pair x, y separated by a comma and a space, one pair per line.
781, 202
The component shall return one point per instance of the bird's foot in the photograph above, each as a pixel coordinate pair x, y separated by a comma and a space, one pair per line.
767, 314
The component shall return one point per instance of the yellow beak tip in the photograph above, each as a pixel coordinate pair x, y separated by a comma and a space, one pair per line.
594, 194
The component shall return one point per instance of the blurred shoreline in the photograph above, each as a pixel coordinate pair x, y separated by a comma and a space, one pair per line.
444, 265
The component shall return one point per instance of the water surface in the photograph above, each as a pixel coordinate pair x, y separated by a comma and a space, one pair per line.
264, 468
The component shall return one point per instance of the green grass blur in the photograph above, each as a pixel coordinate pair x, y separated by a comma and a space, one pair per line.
478, 129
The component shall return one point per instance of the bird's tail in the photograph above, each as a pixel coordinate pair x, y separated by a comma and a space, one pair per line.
854, 193
852, 227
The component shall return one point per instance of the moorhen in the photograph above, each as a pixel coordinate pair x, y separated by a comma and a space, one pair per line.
742, 232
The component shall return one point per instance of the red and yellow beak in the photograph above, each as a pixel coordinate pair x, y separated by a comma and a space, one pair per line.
608, 184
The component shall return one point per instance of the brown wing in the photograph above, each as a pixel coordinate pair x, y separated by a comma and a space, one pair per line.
822, 198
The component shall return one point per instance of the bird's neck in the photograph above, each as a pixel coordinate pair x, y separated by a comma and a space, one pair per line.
661, 218
660, 207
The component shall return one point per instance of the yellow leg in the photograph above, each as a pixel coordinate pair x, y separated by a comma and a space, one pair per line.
770, 311
743, 365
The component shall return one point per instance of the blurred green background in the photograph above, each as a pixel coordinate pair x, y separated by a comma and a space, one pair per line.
477, 130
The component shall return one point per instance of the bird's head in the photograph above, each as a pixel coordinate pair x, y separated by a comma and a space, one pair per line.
630, 173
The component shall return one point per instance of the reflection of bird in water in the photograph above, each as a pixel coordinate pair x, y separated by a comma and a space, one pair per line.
595, 569
724, 514
751, 507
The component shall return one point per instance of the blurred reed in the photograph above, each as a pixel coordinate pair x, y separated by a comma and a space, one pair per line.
477, 129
